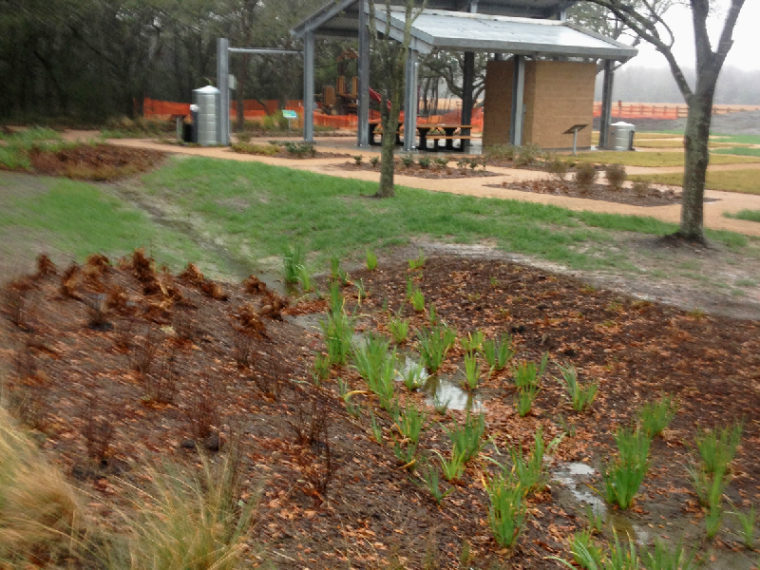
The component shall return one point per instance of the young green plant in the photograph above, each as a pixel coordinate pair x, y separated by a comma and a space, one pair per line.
624, 475
580, 395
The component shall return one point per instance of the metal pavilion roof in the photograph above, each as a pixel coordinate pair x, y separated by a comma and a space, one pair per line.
464, 31
340, 17
458, 31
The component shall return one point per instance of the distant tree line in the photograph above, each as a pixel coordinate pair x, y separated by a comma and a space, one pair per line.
639, 84
87, 60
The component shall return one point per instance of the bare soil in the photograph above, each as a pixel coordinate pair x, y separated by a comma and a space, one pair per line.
119, 366
94, 162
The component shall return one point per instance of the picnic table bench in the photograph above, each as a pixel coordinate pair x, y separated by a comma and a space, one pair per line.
446, 132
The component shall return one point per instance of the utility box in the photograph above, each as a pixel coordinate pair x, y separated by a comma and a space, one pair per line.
621, 136
206, 122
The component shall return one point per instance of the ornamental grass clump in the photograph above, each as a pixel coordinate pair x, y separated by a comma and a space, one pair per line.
624, 475
527, 378
529, 470
377, 365
410, 422
338, 329
498, 352
293, 261
507, 509
717, 449
473, 342
435, 344
190, 522
467, 438
580, 395
655, 416
471, 371
399, 328
40, 512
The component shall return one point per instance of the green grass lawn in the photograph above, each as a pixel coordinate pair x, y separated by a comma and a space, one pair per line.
743, 181
242, 217
264, 208
739, 150
749, 215
80, 218
654, 159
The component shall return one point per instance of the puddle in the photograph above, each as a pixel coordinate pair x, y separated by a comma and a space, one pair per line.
440, 389
576, 478
665, 520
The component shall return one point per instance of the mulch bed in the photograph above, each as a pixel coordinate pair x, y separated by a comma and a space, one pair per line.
624, 195
102, 162
433, 171
169, 361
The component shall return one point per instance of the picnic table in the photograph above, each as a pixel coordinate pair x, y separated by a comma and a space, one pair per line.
449, 133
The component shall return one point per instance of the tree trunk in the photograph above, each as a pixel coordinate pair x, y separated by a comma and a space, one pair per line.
387, 166
696, 159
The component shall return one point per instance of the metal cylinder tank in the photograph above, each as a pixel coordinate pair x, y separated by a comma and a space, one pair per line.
621, 136
207, 126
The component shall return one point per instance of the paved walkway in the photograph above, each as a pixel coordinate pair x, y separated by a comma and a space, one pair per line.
720, 202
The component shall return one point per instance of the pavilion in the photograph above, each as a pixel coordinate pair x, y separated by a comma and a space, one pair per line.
540, 82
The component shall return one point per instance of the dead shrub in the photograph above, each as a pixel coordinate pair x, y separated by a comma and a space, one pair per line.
70, 280
15, 304
641, 188
616, 175
202, 413
98, 431
45, 267
97, 310
184, 326
557, 168
585, 175
242, 348
250, 321
27, 404
161, 385
144, 353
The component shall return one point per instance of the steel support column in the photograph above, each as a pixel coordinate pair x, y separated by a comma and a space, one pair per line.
468, 77
410, 101
363, 65
223, 84
308, 86
604, 123
518, 95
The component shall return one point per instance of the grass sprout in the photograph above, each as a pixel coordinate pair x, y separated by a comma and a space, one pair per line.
435, 344
467, 438
473, 342
399, 329
471, 371
623, 477
507, 509
580, 395
656, 416
371, 260
498, 352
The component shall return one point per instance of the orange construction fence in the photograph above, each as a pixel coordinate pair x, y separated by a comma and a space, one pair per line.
254, 110
662, 110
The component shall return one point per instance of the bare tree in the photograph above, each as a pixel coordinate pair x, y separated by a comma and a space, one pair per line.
651, 27
391, 57
602, 20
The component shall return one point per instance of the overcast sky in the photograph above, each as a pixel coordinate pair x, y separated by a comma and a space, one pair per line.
745, 52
